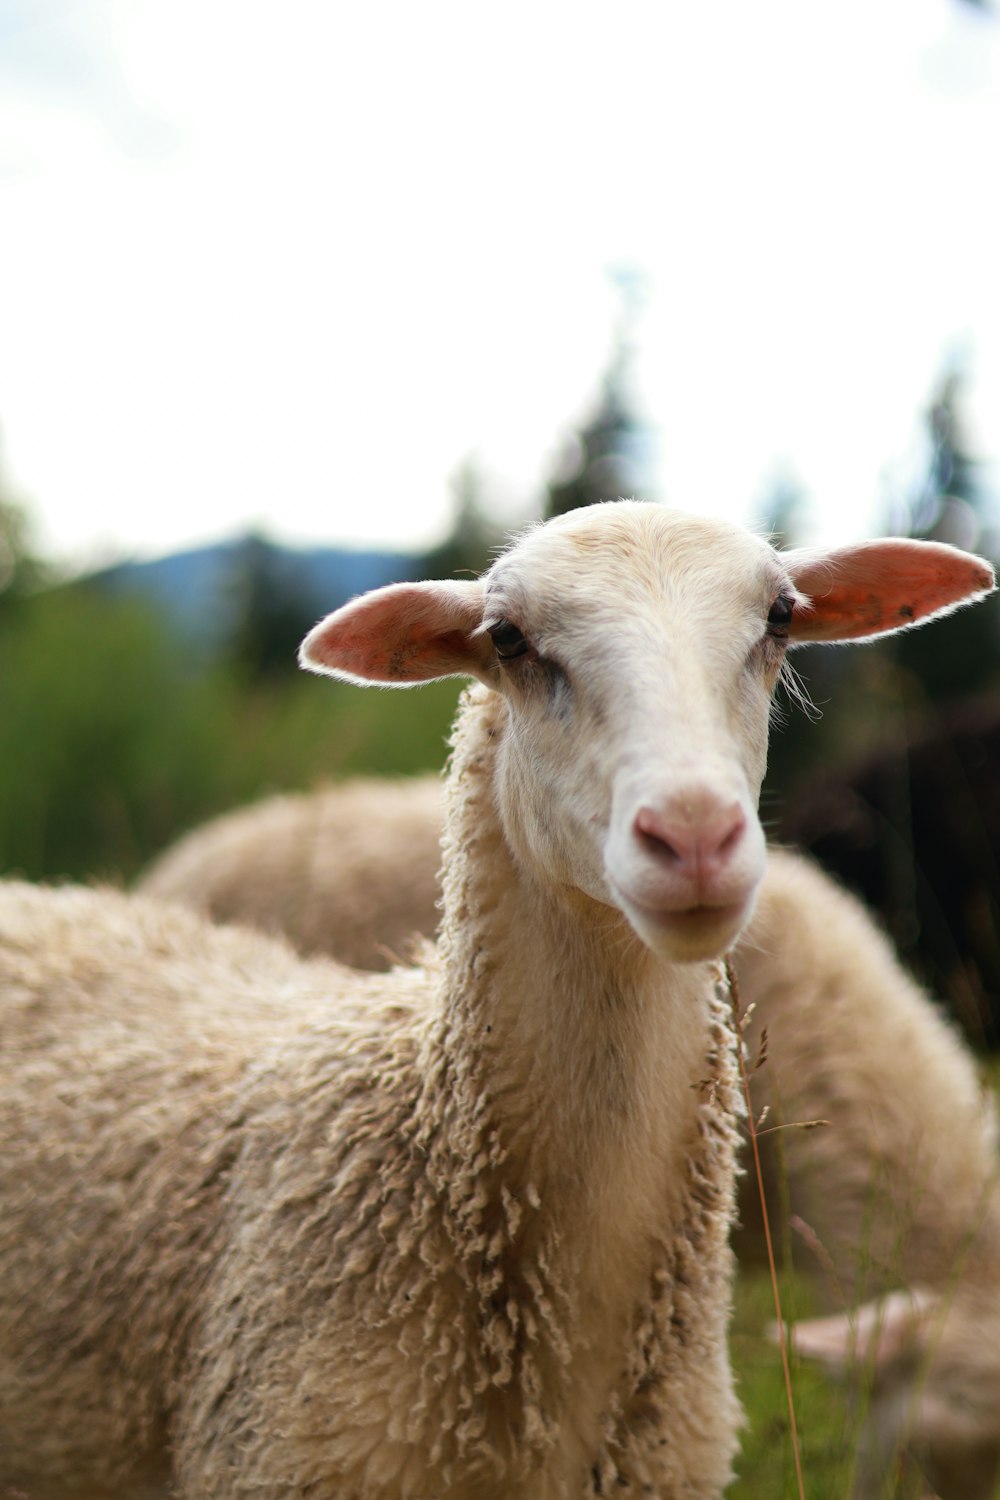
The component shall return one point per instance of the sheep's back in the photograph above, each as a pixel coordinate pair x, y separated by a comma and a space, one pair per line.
135, 1038
902, 1179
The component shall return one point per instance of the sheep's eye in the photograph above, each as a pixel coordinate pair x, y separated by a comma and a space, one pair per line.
508, 640
779, 616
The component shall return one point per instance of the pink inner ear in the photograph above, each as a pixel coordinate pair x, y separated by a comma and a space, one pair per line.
880, 587
406, 633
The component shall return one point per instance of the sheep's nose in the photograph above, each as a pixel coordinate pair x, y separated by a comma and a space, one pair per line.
692, 838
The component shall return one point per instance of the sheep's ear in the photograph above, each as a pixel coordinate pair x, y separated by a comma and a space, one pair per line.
875, 588
401, 635
872, 1335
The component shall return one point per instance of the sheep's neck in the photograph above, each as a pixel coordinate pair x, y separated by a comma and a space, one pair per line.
585, 1176
580, 1044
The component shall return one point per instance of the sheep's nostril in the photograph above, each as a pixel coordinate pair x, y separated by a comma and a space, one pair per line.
660, 840
654, 837
730, 839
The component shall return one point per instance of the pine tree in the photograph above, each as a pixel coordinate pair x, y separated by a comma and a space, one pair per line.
953, 503
610, 455
20, 569
269, 617
474, 536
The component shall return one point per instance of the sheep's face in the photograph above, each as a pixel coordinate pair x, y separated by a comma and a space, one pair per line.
636, 649
635, 652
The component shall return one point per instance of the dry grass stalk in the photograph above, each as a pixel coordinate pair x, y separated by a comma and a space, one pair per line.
739, 1021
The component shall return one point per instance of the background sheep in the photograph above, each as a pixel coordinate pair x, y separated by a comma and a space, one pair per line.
898, 1188
271, 1226
350, 871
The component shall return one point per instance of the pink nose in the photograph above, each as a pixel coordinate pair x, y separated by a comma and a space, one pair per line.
692, 839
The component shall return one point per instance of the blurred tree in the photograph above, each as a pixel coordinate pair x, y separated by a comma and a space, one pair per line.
115, 736
265, 605
952, 503
474, 535
609, 456
950, 500
20, 569
892, 690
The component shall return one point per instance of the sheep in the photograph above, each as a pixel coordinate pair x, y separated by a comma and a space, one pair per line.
276, 864
899, 1185
273, 1227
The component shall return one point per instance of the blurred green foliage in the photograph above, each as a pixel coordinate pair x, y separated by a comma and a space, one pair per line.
113, 738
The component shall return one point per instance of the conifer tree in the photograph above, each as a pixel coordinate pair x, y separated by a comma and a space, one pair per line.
610, 455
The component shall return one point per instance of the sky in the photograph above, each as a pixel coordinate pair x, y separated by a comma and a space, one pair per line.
291, 266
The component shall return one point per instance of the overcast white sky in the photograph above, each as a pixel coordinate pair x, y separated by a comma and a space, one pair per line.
290, 264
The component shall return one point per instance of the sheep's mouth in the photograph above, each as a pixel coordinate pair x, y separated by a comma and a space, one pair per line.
705, 912
664, 914
691, 933
694, 918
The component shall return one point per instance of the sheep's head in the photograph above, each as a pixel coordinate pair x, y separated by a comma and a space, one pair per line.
637, 649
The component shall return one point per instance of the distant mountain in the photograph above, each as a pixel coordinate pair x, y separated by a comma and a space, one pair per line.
203, 589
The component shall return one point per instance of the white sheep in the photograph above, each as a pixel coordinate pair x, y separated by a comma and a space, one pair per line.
899, 1187
269, 1227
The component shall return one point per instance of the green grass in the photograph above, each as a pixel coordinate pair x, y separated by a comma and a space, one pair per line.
113, 740
826, 1425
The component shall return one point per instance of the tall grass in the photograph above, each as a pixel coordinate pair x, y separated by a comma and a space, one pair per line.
739, 1020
